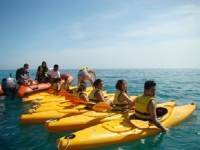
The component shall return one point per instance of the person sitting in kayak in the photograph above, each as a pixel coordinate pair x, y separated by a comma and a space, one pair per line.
22, 75
42, 73
80, 92
122, 101
145, 105
97, 94
85, 74
55, 78
66, 82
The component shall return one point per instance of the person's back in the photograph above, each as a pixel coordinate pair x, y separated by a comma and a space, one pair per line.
85, 74
145, 105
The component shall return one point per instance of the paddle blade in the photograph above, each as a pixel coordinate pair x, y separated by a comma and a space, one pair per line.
73, 99
102, 107
62, 93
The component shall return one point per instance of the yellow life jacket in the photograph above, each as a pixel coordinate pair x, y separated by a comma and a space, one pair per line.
141, 106
92, 95
119, 103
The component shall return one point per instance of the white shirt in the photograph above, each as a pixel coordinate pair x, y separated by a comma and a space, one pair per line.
54, 74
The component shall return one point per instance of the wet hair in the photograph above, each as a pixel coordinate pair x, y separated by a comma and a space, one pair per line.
3, 80
44, 62
148, 84
26, 65
119, 83
55, 66
97, 82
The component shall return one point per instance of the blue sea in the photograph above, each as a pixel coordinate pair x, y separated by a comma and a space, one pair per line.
183, 85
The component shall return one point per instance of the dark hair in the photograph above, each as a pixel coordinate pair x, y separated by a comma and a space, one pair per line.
119, 83
55, 66
3, 80
97, 82
44, 62
26, 65
82, 86
148, 84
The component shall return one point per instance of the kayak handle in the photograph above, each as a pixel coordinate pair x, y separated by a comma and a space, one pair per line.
71, 136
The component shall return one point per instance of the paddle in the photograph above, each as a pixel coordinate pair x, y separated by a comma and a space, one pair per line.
101, 106
73, 99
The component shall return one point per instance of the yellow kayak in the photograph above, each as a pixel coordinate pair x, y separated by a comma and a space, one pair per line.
54, 112
40, 117
117, 131
83, 120
51, 106
57, 105
47, 97
42, 99
52, 103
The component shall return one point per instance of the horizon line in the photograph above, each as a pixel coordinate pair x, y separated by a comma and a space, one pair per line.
115, 68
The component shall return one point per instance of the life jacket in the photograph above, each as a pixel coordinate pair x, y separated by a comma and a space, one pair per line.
119, 104
92, 95
78, 94
141, 106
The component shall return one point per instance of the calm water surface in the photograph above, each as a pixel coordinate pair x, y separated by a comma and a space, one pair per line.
183, 85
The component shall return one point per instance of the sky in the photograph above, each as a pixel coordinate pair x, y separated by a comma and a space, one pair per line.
101, 34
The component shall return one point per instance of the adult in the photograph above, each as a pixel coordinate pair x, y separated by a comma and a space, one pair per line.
80, 92
66, 81
122, 101
22, 75
42, 73
55, 78
85, 74
145, 105
97, 94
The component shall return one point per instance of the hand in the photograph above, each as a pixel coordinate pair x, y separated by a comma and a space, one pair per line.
165, 130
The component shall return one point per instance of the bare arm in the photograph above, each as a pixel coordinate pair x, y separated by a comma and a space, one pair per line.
153, 116
92, 72
83, 97
99, 95
125, 97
